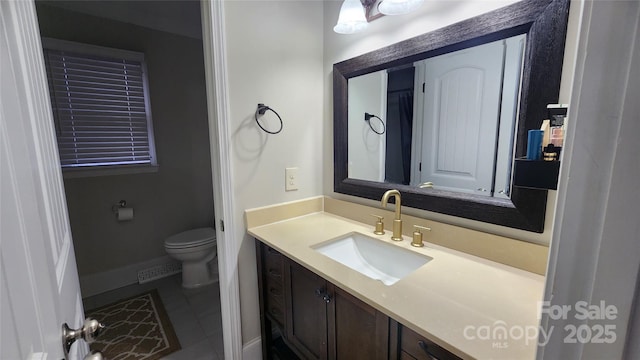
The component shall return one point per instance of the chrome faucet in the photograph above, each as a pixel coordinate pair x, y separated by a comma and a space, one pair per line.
397, 222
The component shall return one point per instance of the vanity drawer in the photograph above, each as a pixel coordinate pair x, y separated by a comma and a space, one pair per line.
273, 265
274, 284
414, 346
275, 302
275, 291
276, 312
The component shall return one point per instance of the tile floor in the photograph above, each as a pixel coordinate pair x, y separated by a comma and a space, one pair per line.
194, 314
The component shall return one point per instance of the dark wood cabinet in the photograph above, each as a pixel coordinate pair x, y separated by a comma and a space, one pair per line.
274, 300
271, 293
357, 330
314, 319
306, 303
415, 347
325, 322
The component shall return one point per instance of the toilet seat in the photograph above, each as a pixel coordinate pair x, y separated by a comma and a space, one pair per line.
191, 238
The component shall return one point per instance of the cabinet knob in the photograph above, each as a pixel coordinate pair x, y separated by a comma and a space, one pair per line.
322, 293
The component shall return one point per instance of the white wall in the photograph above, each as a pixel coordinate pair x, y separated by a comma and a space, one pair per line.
595, 255
367, 93
274, 56
388, 30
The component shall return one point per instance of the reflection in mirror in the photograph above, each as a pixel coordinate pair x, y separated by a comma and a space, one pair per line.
450, 120
544, 25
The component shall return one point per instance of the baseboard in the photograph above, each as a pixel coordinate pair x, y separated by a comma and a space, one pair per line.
97, 283
252, 350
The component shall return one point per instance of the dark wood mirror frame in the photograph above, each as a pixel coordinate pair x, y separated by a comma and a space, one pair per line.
545, 23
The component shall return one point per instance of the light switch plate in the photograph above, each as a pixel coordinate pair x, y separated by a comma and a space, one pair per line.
291, 179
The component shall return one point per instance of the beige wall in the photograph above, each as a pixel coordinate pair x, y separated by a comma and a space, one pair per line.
180, 195
274, 54
388, 30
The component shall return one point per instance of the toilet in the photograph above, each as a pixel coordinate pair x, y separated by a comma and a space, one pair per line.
195, 249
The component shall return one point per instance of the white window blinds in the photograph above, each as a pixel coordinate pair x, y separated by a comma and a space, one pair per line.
100, 108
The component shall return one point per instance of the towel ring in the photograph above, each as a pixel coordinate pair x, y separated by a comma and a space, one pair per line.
367, 118
262, 108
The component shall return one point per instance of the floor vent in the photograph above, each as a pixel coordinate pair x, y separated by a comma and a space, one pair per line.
158, 272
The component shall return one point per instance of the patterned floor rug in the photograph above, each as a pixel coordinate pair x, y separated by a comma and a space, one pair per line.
138, 328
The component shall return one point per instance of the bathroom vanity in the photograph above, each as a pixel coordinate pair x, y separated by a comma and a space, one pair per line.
475, 295
318, 320
321, 308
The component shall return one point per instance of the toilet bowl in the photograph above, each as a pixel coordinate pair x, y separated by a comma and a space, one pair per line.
195, 249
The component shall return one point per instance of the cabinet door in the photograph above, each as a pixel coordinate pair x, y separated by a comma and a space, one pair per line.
356, 330
306, 311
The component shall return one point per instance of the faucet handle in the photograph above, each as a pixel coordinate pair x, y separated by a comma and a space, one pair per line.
379, 225
417, 235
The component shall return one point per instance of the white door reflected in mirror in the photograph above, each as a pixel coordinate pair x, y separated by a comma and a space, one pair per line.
450, 120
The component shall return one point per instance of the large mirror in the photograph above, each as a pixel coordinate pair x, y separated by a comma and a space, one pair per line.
446, 122
441, 117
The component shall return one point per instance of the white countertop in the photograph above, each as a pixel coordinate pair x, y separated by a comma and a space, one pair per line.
456, 300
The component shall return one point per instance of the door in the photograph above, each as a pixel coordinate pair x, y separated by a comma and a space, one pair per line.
461, 110
39, 282
306, 308
357, 330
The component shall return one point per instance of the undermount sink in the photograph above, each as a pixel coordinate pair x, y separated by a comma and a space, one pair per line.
373, 257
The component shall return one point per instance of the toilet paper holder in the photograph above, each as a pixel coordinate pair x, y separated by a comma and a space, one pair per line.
122, 212
120, 204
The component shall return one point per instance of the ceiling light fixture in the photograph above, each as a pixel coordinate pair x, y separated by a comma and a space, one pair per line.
398, 7
356, 14
352, 18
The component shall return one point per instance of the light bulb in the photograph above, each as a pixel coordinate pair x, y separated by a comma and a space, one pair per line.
351, 18
398, 7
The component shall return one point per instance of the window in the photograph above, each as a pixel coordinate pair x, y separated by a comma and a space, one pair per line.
101, 110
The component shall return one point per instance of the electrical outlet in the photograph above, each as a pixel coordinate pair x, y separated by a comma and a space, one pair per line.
291, 179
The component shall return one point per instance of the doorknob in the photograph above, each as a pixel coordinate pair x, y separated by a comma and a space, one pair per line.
93, 355
88, 332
